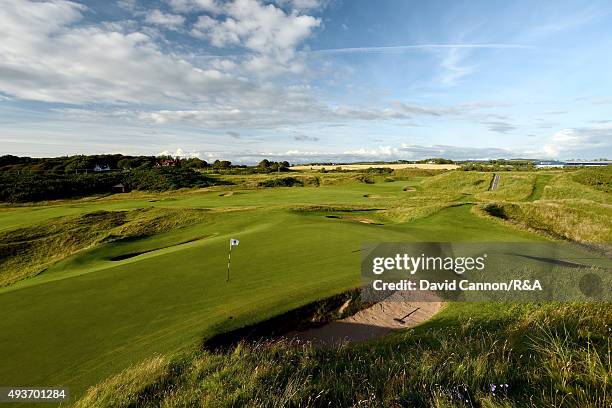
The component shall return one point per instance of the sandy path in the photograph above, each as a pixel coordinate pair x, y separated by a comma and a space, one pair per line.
376, 321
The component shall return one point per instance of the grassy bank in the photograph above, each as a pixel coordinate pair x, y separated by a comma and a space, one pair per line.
489, 355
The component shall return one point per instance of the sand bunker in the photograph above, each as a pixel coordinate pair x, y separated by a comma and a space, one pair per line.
370, 323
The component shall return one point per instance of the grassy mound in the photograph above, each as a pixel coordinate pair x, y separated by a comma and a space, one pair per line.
564, 186
580, 221
26, 252
455, 182
511, 187
599, 178
489, 355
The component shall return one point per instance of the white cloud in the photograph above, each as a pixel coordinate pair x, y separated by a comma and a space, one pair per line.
499, 126
290, 109
459, 152
130, 5
403, 152
396, 49
49, 53
270, 33
163, 19
305, 138
186, 6
576, 141
46, 55
453, 68
181, 153
302, 5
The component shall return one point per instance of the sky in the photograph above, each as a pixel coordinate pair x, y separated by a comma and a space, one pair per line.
307, 80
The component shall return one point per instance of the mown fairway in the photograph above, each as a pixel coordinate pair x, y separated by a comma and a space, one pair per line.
89, 316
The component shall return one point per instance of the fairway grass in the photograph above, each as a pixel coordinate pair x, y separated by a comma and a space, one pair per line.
121, 301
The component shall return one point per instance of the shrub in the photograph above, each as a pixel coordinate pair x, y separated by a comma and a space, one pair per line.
167, 178
282, 182
37, 187
598, 178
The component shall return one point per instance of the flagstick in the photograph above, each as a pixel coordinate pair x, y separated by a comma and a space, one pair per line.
229, 260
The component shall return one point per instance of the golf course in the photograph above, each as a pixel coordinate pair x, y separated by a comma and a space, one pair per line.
95, 285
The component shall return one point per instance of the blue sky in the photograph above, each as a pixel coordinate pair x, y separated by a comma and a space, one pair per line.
307, 80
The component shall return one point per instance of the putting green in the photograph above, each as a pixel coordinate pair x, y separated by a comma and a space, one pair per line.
90, 316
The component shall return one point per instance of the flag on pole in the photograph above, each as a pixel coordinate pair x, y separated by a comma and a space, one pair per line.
233, 242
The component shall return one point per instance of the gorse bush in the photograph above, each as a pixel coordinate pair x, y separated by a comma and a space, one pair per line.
46, 186
599, 178
282, 182
168, 178
36, 187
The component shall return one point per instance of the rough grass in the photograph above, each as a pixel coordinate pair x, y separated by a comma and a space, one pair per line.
415, 208
511, 187
576, 220
26, 252
567, 205
538, 187
600, 178
404, 174
490, 355
564, 187
436, 192
455, 182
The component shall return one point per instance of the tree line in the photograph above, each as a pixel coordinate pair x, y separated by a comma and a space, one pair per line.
118, 162
24, 179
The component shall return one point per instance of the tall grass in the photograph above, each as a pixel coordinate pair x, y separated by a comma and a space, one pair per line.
565, 187
493, 355
455, 182
576, 220
511, 187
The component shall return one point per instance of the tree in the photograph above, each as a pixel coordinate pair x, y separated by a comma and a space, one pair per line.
265, 163
124, 164
222, 164
194, 163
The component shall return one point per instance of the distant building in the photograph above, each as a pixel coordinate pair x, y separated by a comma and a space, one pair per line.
574, 163
167, 163
578, 163
120, 188
548, 164
101, 167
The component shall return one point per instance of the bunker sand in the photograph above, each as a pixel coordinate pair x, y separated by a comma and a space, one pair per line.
378, 320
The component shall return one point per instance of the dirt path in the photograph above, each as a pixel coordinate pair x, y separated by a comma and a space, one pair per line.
376, 321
